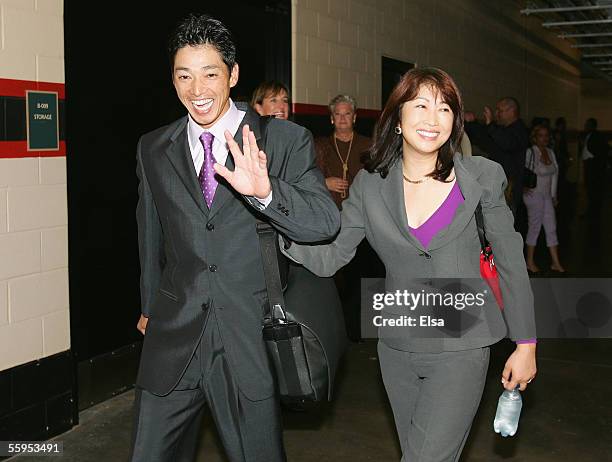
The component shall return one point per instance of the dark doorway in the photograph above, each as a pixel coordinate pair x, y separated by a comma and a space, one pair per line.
118, 87
392, 72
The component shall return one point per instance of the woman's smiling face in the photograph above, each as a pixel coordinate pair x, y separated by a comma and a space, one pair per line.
426, 121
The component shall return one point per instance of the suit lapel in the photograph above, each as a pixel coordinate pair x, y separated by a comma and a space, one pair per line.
472, 191
392, 193
179, 154
224, 190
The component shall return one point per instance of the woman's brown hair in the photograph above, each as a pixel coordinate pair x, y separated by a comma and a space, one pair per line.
268, 88
387, 145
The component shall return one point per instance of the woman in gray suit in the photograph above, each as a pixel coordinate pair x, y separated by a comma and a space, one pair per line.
415, 203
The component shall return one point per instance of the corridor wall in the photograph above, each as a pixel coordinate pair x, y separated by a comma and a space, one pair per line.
488, 47
36, 377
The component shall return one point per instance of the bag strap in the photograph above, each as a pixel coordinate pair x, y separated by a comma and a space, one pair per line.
269, 255
484, 244
263, 128
531, 158
268, 244
293, 376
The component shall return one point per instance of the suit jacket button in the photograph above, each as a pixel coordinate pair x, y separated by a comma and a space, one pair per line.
210, 226
213, 268
204, 306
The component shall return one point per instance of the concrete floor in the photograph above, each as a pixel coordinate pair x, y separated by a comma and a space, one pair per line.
567, 416
567, 412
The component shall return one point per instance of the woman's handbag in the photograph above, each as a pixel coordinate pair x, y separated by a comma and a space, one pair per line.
305, 338
488, 270
530, 179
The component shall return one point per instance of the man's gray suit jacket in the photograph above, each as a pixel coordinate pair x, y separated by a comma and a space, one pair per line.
195, 260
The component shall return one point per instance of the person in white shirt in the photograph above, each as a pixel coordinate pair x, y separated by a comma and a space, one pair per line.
542, 200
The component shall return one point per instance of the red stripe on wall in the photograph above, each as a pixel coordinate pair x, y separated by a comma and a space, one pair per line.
19, 149
10, 87
321, 110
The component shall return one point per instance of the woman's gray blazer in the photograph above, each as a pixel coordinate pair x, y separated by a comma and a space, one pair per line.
375, 210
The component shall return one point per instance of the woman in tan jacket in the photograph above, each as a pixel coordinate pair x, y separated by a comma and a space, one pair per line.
339, 155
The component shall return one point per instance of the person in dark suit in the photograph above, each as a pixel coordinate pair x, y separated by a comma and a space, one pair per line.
203, 292
594, 152
415, 203
271, 98
505, 139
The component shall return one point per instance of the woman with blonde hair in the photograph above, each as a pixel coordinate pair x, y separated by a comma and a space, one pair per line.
541, 199
339, 154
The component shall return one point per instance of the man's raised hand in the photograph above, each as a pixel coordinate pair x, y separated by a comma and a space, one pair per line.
250, 177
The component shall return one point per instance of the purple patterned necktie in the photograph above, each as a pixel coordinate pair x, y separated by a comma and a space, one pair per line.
207, 179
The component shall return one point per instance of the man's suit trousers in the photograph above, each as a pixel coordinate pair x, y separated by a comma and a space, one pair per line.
163, 431
434, 397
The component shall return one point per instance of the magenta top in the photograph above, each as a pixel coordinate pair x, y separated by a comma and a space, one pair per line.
440, 219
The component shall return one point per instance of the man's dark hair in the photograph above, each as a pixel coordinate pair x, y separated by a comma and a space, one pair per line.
200, 29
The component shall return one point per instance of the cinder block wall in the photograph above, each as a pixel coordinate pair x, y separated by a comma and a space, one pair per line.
488, 47
34, 321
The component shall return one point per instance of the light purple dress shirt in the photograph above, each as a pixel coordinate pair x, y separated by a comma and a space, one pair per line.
229, 121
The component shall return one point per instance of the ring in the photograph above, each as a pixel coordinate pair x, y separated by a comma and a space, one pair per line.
529, 381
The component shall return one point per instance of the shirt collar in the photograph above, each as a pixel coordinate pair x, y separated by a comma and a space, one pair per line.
228, 121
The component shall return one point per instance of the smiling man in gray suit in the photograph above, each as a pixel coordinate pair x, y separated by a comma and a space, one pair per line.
202, 285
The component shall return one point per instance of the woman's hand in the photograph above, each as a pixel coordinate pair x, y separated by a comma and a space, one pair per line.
336, 184
520, 368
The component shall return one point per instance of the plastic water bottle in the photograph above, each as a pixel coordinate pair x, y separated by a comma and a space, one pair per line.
508, 413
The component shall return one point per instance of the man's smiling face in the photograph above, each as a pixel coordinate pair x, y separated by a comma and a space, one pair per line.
203, 82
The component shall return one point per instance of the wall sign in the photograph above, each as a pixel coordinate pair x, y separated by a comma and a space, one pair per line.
42, 121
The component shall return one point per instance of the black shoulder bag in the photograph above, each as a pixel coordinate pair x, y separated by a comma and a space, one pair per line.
306, 339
